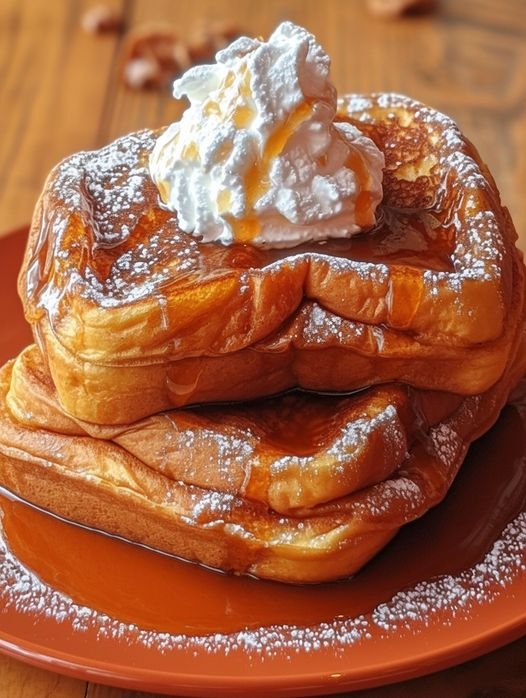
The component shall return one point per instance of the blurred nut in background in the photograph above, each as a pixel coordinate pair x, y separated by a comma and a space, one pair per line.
201, 45
153, 55
148, 59
142, 74
101, 19
210, 37
224, 33
389, 9
182, 55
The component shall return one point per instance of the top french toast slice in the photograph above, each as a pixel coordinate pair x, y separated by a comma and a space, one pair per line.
110, 278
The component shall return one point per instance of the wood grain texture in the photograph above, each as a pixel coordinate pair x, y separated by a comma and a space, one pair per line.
98, 691
60, 92
19, 680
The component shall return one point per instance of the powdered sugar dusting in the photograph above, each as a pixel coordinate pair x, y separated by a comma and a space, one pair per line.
128, 248
114, 185
411, 610
478, 252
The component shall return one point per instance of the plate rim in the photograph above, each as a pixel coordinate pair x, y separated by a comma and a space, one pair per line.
292, 684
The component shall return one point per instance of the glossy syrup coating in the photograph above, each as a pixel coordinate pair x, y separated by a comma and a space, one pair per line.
125, 486
124, 303
290, 453
133, 318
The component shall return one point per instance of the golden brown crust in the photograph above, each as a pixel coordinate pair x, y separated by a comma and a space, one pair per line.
134, 317
122, 301
290, 453
100, 482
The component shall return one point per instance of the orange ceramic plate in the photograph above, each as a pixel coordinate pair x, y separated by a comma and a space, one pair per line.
449, 587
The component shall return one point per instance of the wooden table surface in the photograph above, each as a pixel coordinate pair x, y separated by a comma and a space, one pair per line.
60, 92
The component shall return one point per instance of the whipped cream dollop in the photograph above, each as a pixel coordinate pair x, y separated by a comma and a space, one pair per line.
257, 157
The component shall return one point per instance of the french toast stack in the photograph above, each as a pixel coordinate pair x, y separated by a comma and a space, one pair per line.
280, 413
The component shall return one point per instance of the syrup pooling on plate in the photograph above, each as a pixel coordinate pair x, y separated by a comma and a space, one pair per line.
162, 595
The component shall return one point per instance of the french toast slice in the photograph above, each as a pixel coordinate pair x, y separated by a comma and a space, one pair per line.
134, 316
290, 453
106, 483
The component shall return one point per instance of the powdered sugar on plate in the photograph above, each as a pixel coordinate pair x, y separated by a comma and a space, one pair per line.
449, 597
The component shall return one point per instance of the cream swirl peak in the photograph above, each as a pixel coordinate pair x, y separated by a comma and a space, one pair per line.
257, 156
